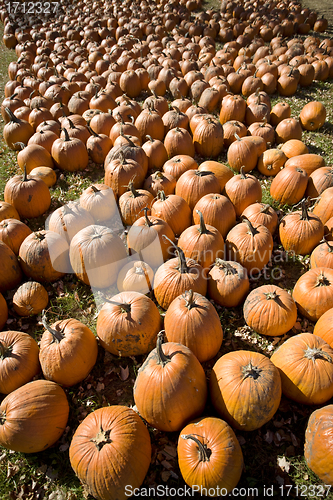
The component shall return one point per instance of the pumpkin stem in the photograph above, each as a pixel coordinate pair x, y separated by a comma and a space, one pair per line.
158, 174
330, 247
161, 195
314, 353
251, 371
305, 214
102, 438
25, 174
94, 188
204, 451
145, 211
188, 297
202, 229
5, 350
251, 229
271, 295
20, 144
265, 208
125, 308
242, 173
162, 359
133, 190
11, 115
182, 265
67, 138
2, 418
322, 280
226, 266
57, 336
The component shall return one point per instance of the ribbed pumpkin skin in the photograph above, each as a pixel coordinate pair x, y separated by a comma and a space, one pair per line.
228, 283
30, 298
270, 310
106, 469
305, 362
160, 390
319, 443
245, 389
71, 359
313, 292
35, 414
10, 271
129, 333
225, 464
300, 232
324, 327
19, 363
3, 311
193, 321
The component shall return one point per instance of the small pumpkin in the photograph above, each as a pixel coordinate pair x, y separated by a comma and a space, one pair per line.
228, 283
313, 292
136, 276
30, 299
313, 115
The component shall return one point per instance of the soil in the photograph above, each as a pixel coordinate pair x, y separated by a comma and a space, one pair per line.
323, 8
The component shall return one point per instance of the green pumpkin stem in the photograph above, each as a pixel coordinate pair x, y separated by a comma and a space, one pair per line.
57, 336
204, 451
162, 358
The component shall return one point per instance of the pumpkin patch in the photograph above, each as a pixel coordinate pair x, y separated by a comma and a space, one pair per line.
166, 185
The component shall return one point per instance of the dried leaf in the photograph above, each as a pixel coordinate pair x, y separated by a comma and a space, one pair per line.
12, 469
124, 373
64, 447
241, 440
294, 439
165, 475
268, 437
99, 387
283, 464
170, 450
166, 464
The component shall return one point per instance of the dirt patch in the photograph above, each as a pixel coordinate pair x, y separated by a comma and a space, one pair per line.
323, 8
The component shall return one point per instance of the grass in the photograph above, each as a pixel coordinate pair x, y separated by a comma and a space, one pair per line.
273, 455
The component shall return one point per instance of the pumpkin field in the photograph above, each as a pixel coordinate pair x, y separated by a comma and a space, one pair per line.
166, 242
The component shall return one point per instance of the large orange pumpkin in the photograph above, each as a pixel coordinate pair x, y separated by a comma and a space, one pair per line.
110, 450
33, 417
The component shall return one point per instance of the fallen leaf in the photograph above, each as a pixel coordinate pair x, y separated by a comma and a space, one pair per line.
100, 386
166, 464
12, 469
283, 463
170, 450
124, 373
268, 437
165, 475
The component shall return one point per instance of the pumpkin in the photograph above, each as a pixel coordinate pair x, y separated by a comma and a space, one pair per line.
324, 206
132, 202
68, 351
136, 276
44, 256
208, 137
127, 324
228, 283
270, 310
203, 243
287, 129
99, 201
160, 181
46, 174
16, 131
194, 184
250, 245
10, 271
30, 299
210, 456
174, 210
319, 180
69, 154
179, 164
322, 255
243, 153
294, 147
245, 389
221, 171
313, 115
313, 292
243, 190
301, 231
323, 327
308, 162
318, 443
192, 320
29, 195
176, 276
19, 360
156, 153
289, 185
145, 237
96, 255
119, 172
271, 162
7, 211
305, 363
262, 213
33, 156
111, 449
279, 112
233, 108
69, 220
29, 427
13, 232
3, 311
171, 370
